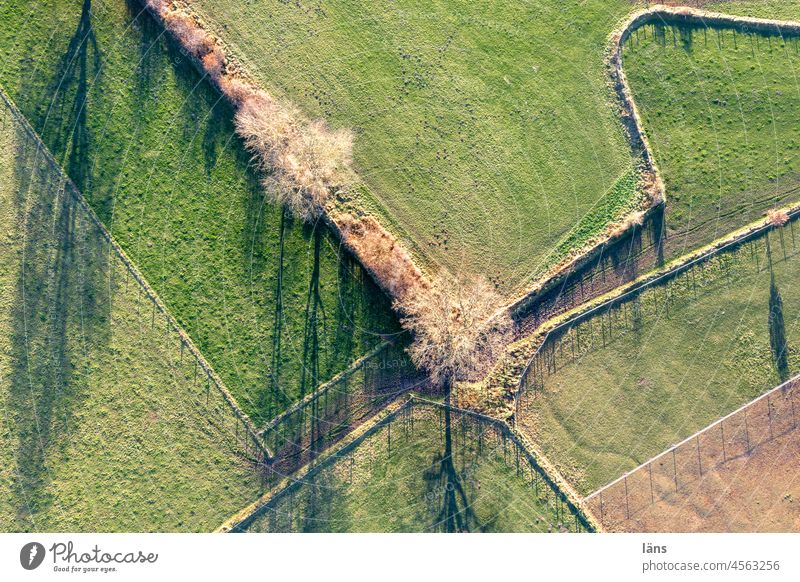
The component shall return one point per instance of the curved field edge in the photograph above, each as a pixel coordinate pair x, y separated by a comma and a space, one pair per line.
105, 426
610, 390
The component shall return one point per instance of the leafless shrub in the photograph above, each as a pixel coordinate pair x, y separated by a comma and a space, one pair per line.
214, 62
191, 36
303, 162
777, 217
457, 330
236, 89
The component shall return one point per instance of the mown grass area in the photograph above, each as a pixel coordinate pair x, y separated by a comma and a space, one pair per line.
484, 131
276, 307
773, 9
101, 425
661, 366
721, 110
430, 470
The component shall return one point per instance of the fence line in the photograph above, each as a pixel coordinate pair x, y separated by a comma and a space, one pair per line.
336, 408
784, 386
583, 520
535, 460
638, 288
738, 434
251, 442
325, 387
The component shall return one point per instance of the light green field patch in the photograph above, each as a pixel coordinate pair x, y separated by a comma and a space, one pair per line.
721, 110
484, 131
102, 427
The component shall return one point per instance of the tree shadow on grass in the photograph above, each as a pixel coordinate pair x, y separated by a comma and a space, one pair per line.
60, 313
60, 113
777, 325
444, 483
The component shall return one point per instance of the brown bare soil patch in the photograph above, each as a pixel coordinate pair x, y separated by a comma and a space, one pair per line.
759, 492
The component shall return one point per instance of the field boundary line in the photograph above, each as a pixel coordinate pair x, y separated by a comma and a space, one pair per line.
631, 120
243, 518
787, 384
240, 520
325, 386
536, 458
77, 195
624, 292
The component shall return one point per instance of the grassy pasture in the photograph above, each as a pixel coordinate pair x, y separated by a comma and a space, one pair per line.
660, 366
720, 108
774, 9
273, 305
429, 470
483, 131
101, 426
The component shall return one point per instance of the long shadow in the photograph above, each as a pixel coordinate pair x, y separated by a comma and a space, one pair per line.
314, 320
62, 112
277, 396
777, 325
455, 512
60, 311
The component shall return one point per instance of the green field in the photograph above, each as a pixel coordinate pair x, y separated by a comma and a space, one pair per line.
152, 147
428, 471
720, 108
651, 372
773, 9
484, 131
101, 426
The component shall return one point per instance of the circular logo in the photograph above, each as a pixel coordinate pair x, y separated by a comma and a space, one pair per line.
31, 555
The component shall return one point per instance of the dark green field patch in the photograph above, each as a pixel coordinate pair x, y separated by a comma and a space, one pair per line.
276, 307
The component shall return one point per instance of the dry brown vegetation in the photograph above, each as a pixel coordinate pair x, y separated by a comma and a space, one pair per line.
635, 218
303, 162
777, 217
383, 255
458, 332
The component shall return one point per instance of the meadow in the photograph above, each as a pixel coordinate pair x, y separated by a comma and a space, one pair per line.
629, 382
275, 306
485, 134
102, 425
430, 469
720, 108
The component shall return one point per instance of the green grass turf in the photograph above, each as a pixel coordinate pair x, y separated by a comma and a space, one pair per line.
403, 478
101, 427
773, 9
483, 130
153, 148
645, 379
721, 110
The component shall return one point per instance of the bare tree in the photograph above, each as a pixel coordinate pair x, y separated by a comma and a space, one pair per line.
777, 217
457, 329
303, 162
